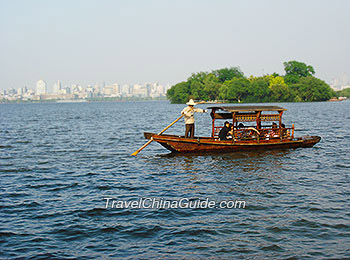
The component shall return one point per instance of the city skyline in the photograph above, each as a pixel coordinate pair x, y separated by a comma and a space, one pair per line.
338, 83
50, 87
76, 91
148, 41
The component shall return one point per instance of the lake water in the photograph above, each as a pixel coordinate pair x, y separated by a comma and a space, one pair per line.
59, 161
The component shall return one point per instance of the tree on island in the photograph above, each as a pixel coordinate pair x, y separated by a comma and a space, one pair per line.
312, 89
296, 70
230, 85
228, 74
344, 93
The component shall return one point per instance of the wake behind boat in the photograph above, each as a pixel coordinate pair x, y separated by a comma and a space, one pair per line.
260, 134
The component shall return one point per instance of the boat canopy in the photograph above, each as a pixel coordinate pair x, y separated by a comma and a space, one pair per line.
233, 109
257, 114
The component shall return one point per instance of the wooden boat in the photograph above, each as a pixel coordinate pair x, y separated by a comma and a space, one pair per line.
253, 137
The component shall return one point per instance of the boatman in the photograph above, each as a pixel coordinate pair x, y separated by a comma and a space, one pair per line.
188, 113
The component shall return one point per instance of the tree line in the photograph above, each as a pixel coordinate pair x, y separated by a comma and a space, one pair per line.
344, 93
230, 85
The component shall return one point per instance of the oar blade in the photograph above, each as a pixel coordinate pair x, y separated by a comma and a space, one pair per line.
134, 153
143, 146
150, 141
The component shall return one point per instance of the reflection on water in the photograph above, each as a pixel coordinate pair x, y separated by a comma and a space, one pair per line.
251, 161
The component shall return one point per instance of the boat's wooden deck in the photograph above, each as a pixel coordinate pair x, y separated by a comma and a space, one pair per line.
217, 140
177, 143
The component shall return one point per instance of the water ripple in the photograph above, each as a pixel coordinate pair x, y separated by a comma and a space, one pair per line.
59, 161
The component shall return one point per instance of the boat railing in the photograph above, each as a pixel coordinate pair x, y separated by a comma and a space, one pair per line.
266, 133
252, 133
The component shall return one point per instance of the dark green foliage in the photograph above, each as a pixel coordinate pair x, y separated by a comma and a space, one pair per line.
291, 79
179, 93
312, 89
238, 89
259, 90
228, 74
282, 93
344, 93
211, 87
298, 69
230, 84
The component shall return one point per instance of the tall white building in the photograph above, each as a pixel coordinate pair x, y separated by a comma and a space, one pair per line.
117, 88
40, 87
56, 87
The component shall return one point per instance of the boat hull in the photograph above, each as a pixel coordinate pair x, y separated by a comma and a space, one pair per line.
180, 144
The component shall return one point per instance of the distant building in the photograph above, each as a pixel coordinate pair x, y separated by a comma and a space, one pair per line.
125, 90
56, 87
41, 87
110, 90
117, 88
12, 91
148, 87
76, 88
139, 91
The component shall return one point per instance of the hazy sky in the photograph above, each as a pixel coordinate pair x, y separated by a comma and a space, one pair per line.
95, 41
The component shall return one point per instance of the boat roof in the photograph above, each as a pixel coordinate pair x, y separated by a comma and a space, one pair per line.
249, 108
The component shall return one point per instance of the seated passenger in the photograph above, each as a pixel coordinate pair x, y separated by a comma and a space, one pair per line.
231, 132
274, 131
241, 132
285, 132
224, 131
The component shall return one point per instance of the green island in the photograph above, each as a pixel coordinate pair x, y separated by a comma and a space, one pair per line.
230, 85
343, 93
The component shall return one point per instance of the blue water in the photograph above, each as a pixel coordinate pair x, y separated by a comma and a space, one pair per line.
59, 161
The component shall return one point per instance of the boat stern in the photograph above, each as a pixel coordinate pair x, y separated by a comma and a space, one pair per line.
148, 135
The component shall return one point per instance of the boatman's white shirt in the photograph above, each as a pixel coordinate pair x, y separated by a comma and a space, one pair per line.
189, 114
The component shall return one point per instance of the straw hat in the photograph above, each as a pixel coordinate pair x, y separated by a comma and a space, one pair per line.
191, 102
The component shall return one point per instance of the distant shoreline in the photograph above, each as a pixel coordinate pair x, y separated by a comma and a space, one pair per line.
141, 100
83, 100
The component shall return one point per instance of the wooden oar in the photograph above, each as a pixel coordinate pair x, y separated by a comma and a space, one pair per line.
150, 141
